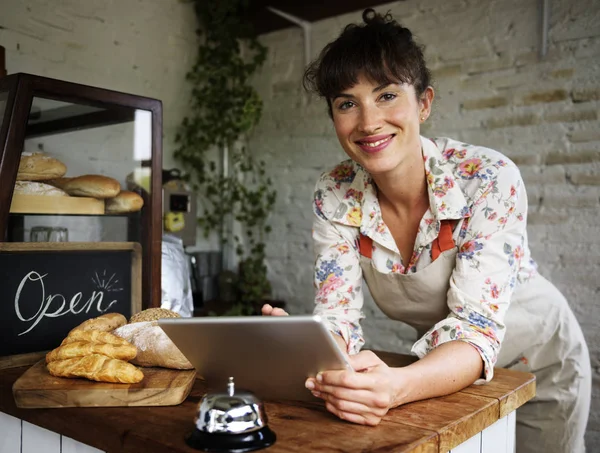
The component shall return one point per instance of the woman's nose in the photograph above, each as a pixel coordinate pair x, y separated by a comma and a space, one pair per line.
370, 120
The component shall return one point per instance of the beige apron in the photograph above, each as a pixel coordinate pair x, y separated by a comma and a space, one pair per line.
542, 337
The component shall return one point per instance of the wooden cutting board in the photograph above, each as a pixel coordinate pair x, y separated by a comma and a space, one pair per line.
37, 388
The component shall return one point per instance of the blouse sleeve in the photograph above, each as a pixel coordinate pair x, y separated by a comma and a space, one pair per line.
490, 249
338, 278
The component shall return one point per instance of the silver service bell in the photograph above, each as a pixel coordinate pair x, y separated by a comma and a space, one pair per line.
233, 422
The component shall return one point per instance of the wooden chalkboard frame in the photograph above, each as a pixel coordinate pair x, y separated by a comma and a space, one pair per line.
54, 247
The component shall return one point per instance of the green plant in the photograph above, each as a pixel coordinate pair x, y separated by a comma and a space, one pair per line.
224, 110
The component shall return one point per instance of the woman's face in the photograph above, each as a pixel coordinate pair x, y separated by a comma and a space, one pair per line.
378, 126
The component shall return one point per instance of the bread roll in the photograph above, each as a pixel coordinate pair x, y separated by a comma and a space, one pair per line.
93, 336
39, 167
104, 323
95, 186
153, 314
126, 201
96, 367
154, 347
38, 188
85, 348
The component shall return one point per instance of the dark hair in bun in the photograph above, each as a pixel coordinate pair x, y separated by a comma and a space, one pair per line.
380, 49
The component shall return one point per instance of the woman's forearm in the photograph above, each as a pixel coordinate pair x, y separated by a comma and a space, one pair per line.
447, 369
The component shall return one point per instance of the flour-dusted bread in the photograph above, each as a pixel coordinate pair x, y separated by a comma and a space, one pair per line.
94, 186
96, 367
39, 167
104, 323
38, 188
154, 347
125, 201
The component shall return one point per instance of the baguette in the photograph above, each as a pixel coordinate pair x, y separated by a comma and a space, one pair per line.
96, 367
94, 336
104, 323
95, 186
125, 201
84, 348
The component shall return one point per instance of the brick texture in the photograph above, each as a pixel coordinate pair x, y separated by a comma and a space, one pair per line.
492, 88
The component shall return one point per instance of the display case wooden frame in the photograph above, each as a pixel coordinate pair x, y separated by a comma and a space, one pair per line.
20, 90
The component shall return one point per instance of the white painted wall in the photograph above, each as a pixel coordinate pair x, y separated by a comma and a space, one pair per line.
492, 89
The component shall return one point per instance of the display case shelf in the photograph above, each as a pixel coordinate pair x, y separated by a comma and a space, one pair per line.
94, 131
40, 204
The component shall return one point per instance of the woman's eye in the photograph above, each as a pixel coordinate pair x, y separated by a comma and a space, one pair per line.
388, 96
345, 105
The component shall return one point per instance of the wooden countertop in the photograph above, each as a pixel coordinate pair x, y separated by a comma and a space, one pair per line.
434, 425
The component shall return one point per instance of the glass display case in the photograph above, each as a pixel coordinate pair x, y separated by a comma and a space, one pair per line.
81, 164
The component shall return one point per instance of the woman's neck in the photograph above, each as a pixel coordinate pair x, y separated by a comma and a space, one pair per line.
403, 189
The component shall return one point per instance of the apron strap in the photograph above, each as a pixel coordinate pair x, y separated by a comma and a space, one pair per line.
365, 246
444, 240
440, 244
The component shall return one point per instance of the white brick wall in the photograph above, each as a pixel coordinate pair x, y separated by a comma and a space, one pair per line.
492, 89
135, 46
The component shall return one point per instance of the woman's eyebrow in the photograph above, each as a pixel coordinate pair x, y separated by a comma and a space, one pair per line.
381, 87
342, 95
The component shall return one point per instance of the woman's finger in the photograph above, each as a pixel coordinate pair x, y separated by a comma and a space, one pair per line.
266, 310
366, 398
348, 379
360, 419
364, 360
351, 406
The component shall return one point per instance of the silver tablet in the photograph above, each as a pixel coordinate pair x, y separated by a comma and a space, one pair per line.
270, 356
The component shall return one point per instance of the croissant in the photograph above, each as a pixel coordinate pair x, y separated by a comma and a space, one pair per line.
94, 336
105, 323
84, 348
96, 367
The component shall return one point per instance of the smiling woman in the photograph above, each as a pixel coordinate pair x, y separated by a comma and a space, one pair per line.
437, 229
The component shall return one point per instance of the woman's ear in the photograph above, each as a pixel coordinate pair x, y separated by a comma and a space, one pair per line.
425, 103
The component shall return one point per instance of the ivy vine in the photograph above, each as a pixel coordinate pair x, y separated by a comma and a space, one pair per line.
224, 110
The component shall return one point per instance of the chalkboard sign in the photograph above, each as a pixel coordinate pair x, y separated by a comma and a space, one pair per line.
46, 289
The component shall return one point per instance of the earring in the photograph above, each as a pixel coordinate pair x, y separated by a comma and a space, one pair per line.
422, 118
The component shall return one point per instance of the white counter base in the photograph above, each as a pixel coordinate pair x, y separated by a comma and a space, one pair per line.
19, 436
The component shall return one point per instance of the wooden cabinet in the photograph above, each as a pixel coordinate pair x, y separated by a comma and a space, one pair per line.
92, 131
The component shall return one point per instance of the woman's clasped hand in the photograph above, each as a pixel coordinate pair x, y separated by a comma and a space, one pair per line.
363, 396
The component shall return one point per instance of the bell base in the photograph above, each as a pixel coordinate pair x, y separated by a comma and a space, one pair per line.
231, 443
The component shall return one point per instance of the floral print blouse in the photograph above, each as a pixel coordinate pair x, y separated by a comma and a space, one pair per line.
478, 187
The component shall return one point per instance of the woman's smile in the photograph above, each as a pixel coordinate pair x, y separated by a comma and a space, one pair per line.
376, 143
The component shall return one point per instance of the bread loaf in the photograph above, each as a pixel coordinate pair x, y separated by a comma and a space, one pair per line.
38, 188
39, 167
96, 367
125, 201
104, 323
154, 347
85, 348
95, 186
153, 314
